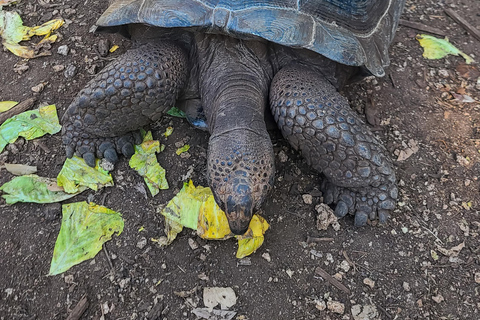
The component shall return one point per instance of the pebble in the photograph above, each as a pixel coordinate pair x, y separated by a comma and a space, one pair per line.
406, 286
307, 198
438, 298
142, 243
336, 306
366, 312
58, 67
477, 277
70, 72
345, 266
320, 305
369, 282
266, 256
282, 156
103, 47
192, 243
63, 50
39, 87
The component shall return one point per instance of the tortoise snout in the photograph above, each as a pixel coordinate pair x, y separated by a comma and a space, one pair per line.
239, 211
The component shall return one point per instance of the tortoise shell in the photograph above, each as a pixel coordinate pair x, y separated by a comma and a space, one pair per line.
351, 32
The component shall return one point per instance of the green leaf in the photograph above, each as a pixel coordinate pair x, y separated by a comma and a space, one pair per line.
30, 125
435, 48
183, 149
145, 162
76, 173
32, 188
85, 228
175, 112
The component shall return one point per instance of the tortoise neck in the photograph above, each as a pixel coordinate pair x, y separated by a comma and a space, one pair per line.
234, 79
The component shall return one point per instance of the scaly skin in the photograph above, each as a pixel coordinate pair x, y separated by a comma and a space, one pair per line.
318, 121
129, 93
234, 78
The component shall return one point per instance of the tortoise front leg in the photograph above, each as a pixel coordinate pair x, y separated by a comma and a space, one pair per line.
130, 92
318, 121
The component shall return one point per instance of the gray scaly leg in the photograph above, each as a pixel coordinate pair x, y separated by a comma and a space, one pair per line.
130, 92
318, 121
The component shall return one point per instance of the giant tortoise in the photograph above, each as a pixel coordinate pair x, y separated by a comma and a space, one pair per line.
230, 60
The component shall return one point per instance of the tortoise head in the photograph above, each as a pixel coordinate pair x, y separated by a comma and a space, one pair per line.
240, 185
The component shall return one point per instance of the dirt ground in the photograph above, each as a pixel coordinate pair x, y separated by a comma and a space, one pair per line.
398, 271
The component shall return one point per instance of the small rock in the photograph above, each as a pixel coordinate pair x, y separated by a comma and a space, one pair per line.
406, 286
289, 272
369, 282
325, 216
39, 87
70, 71
320, 305
443, 73
282, 156
193, 244
63, 50
20, 67
345, 266
266, 256
307, 198
142, 243
336, 306
420, 303
367, 312
58, 67
477, 277
438, 298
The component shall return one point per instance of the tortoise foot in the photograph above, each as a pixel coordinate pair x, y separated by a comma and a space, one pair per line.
370, 203
319, 122
90, 148
129, 93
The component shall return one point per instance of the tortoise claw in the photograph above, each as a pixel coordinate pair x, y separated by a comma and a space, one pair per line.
89, 158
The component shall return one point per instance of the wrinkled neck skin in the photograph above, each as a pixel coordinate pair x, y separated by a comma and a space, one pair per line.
234, 78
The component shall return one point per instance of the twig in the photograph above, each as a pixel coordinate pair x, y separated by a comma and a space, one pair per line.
392, 80
350, 262
318, 240
22, 106
421, 27
108, 258
467, 26
324, 274
79, 309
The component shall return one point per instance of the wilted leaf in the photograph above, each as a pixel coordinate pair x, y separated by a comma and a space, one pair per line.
20, 169
168, 132
32, 188
13, 31
175, 112
195, 208
76, 173
85, 228
469, 72
183, 149
7, 105
435, 48
145, 162
434, 255
30, 125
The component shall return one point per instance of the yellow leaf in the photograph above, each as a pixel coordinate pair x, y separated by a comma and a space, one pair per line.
7, 105
195, 208
435, 48
183, 149
113, 48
